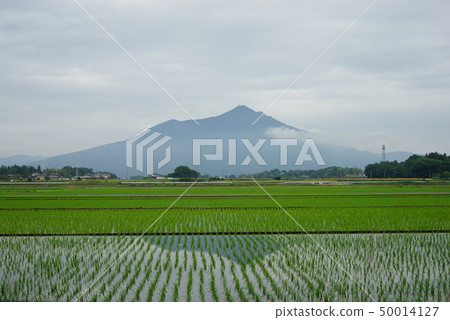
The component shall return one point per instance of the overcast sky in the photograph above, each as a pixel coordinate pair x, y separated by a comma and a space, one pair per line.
65, 86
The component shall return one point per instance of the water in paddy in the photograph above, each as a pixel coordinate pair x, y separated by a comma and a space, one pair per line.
396, 267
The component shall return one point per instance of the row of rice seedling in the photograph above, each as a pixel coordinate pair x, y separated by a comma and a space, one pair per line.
403, 267
249, 187
237, 200
223, 220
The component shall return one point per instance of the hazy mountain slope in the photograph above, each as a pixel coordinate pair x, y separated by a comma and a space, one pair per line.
108, 157
19, 160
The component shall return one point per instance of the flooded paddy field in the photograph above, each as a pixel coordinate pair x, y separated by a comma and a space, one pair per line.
383, 267
116, 242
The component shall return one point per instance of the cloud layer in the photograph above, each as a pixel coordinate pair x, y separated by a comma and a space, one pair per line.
65, 86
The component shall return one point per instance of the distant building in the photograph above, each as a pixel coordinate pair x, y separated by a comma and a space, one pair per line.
38, 176
54, 176
97, 175
155, 176
101, 175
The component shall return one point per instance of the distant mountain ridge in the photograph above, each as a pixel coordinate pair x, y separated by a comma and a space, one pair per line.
235, 124
19, 160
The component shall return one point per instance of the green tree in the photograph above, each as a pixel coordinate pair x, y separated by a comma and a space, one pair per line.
184, 172
428, 166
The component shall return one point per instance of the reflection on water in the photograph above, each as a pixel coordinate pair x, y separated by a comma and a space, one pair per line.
240, 249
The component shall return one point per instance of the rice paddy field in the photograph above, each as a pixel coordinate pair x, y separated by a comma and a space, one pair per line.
225, 242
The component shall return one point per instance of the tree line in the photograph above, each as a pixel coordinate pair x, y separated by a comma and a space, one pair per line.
25, 172
330, 172
431, 165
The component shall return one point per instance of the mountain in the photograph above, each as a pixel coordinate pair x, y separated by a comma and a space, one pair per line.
109, 157
19, 160
234, 134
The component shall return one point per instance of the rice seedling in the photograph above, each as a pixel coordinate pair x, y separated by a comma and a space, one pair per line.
201, 289
163, 290
227, 290
152, 287
239, 289
249, 284
175, 296
189, 285
212, 287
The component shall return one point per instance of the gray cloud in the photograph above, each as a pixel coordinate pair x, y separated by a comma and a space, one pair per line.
65, 86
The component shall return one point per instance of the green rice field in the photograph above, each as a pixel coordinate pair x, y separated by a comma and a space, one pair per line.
225, 242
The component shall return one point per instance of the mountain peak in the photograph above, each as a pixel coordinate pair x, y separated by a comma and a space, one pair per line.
241, 108
239, 118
